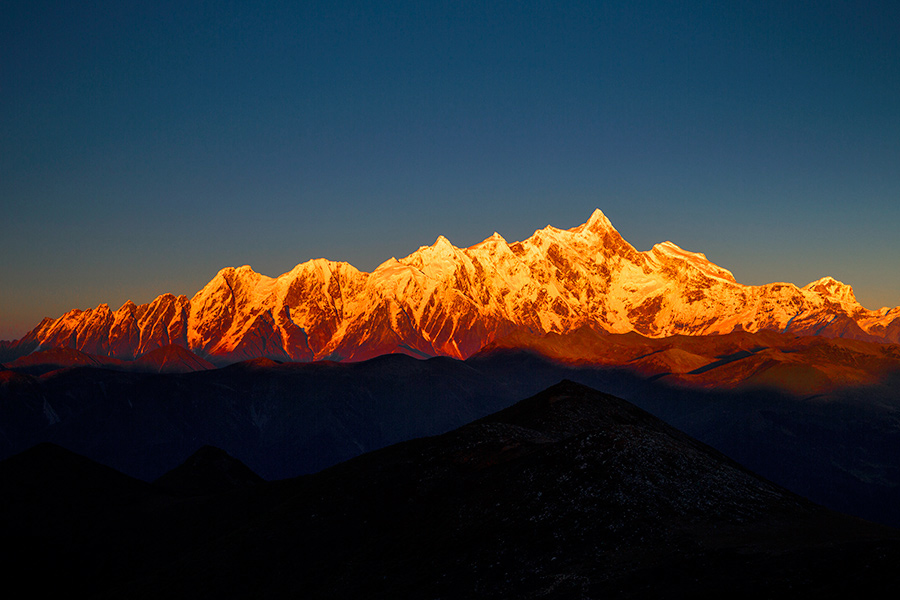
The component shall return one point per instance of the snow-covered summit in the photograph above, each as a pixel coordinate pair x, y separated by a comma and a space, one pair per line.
831, 288
445, 300
596, 223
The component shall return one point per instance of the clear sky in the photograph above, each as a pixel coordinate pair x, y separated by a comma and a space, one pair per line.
146, 145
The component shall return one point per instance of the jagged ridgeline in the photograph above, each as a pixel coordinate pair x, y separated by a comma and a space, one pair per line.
447, 301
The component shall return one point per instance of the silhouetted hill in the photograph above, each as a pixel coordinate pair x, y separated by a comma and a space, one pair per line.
208, 471
60, 514
571, 493
284, 420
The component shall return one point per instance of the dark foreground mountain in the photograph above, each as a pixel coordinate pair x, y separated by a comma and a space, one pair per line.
68, 523
208, 471
569, 494
838, 447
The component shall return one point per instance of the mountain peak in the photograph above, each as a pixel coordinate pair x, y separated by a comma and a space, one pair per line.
208, 471
442, 243
597, 223
827, 281
832, 288
450, 301
230, 270
493, 240
670, 250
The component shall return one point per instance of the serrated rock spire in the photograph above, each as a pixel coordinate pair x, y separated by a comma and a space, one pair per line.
597, 222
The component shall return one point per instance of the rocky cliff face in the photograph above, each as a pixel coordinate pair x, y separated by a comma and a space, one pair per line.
444, 300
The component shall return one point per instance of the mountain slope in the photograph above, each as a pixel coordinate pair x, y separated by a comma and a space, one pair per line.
449, 301
835, 444
570, 493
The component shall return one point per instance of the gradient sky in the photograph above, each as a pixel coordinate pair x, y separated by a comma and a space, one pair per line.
146, 145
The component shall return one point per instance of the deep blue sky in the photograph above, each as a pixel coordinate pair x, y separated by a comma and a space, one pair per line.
146, 145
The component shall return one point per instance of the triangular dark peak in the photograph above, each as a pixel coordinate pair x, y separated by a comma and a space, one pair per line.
209, 470
569, 408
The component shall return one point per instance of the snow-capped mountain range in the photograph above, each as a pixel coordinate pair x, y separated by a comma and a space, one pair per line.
444, 300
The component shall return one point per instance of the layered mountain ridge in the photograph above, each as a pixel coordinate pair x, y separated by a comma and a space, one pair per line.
447, 301
570, 493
